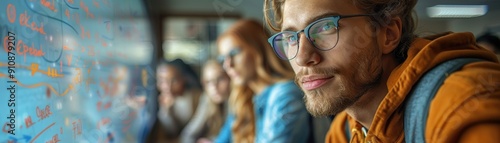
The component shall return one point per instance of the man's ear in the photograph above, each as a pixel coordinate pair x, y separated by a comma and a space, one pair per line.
390, 35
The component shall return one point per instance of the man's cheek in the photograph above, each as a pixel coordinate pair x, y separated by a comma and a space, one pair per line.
295, 67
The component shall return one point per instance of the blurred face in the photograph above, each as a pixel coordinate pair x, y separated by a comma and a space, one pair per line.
169, 81
216, 83
333, 79
237, 62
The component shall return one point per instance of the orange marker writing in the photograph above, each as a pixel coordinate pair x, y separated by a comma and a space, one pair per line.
28, 122
66, 12
23, 49
23, 20
96, 4
11, 13
55, 139
34, 68
49, 5
69, 59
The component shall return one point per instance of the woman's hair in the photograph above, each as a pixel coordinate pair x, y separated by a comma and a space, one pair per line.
216, 112
192, 80
384, 11
269, 69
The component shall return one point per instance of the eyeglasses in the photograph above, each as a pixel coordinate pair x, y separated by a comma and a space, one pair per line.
215, 81
322, 33
233, 52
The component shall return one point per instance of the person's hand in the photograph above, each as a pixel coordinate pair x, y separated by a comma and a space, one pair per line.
166, 101
204, 140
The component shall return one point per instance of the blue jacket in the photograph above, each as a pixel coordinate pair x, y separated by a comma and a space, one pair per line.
281, 116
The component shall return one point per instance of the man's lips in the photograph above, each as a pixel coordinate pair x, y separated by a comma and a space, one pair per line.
313, 82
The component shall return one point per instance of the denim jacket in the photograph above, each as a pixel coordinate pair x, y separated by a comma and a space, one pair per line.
281, 117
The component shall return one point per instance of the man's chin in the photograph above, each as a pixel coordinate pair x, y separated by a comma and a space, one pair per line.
321, 112
320, 105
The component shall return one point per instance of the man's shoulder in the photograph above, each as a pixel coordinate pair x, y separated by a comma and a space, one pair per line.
468, 96
473, 79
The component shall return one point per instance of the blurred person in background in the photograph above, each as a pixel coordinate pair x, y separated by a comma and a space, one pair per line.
490, 42
211, 112
265, 104
179, 97
361, 61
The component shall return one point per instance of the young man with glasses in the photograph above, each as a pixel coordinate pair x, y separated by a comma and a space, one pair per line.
361, 61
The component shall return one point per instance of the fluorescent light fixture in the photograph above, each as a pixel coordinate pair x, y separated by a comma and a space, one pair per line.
456, 11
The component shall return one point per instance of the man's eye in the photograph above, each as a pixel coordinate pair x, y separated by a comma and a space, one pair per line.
291, 38
327, 27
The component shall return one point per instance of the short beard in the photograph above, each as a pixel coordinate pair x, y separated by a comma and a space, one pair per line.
322, 102
328, 104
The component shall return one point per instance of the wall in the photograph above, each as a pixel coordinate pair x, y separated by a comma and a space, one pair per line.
477, 25
221, 8
253, 9
427, 27
75, 71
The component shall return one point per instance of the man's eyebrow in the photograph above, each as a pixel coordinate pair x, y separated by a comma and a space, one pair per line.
309, 21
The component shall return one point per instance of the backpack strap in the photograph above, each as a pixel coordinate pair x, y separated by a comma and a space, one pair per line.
419, 99
347, 131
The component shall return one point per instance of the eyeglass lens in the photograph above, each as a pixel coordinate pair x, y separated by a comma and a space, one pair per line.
322, 34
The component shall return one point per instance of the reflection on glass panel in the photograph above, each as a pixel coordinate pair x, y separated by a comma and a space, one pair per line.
192, 39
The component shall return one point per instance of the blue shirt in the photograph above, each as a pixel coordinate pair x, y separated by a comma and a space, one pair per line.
281, 116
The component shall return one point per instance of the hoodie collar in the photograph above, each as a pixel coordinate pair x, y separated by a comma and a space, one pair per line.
423, 54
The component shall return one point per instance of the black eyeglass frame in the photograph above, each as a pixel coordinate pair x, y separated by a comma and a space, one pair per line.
335, 19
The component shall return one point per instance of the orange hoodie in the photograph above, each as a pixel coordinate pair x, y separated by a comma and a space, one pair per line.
465, 109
